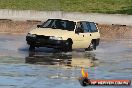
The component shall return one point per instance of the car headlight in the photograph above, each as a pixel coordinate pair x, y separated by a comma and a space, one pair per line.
55, 38
31, 35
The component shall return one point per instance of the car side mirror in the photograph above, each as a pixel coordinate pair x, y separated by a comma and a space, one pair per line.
79, 30
38, 26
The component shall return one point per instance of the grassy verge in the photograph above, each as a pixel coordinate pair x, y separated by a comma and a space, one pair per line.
97, 6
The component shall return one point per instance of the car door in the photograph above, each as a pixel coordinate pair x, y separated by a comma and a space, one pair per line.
81, 39
93, 30
86, 33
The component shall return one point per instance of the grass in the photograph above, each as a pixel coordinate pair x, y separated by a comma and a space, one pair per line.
94, 6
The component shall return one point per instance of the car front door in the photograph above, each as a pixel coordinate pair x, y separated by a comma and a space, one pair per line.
93, 30
81, 39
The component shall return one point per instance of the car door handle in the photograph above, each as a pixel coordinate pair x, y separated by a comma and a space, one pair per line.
83, 35
90, 35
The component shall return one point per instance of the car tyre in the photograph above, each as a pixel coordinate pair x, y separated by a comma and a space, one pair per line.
68, 46
91, 47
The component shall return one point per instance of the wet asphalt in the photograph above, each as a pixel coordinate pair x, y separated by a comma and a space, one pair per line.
49, 68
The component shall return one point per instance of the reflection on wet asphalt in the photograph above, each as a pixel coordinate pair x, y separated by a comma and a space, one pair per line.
61, 59
48, 68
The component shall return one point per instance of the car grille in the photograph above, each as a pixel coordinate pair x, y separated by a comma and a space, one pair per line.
41, 37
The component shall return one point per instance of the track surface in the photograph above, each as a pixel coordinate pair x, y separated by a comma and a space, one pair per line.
47, 68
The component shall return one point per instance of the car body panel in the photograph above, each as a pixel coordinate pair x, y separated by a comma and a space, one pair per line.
81, 40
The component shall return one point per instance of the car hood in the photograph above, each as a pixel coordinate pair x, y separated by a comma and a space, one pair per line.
50, 32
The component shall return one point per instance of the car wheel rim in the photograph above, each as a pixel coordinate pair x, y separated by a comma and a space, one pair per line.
67, 43
91, 46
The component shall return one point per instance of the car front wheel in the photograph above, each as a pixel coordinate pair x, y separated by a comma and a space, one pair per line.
67, 46
32, 48
91, 47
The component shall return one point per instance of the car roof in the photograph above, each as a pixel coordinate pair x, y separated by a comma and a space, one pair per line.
72, 20
59, 19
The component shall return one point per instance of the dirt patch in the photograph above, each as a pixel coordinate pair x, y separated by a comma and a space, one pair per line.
107, 31
11, 27
115, 31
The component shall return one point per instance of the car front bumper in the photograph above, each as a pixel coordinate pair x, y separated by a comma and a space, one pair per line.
44, 41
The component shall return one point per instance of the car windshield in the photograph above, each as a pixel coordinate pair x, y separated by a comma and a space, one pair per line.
59, 24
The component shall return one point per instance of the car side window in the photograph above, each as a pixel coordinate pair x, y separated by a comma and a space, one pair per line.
89, 27
93, 27
86, 27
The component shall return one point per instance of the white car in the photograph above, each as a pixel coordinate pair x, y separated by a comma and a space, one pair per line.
64, 35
